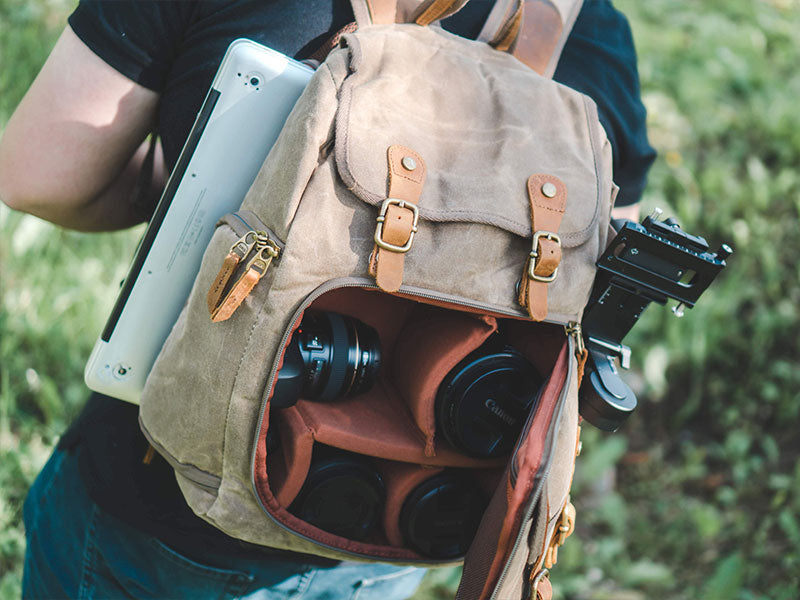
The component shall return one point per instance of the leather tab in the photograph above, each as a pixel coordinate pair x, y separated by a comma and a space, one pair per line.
224, 275
548, 198
540, 32
397, 222
236, 296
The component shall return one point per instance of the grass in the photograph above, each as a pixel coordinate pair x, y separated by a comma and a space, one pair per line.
699, 495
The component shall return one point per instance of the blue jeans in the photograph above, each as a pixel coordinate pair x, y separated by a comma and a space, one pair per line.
76, 550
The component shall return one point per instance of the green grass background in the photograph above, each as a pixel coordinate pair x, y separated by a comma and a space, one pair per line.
699, 495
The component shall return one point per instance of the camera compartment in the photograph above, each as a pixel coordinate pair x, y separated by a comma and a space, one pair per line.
393, 424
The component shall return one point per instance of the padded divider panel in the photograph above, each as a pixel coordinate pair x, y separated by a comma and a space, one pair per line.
379, 424
432, 343
287, 467
400, 480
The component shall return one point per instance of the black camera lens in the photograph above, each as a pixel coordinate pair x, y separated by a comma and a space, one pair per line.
482, 404
440, 516
342, 494
330, 356
254, 81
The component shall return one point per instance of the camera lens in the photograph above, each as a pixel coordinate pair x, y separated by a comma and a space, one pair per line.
254, 81
341, 356
482, 404
342, 494
440, 516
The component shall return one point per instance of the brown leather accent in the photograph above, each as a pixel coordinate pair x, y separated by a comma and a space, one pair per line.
539, 34
581, 356
544, 589
332, 43
510, 31
546, 215
149, 454
221, 280
236, 296
435, 10
406, 185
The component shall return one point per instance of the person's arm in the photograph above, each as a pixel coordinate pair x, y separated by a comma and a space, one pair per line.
72, 150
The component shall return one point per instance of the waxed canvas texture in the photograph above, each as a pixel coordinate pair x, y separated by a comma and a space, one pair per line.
483, 123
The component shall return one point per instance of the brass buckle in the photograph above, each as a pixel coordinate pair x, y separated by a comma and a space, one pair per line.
535, 256
382, 218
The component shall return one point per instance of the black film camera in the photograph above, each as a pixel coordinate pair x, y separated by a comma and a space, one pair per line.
652, 262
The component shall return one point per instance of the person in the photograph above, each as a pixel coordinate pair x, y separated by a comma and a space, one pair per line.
99, 522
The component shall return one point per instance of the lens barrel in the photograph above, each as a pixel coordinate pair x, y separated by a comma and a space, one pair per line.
440, 516
330, 356
342, 495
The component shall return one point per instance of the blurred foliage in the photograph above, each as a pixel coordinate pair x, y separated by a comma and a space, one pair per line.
698, 496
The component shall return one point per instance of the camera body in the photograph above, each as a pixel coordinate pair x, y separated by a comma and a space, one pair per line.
330, 356
654, 261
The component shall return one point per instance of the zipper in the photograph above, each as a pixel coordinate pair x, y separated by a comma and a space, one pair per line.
364, 283
538, 491
261, 245
513, 471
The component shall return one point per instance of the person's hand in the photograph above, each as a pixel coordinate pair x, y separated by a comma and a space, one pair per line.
73, 148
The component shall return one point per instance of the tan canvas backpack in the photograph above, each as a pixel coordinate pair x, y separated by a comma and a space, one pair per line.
436, 189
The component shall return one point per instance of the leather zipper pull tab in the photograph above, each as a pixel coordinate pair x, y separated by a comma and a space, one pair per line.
265, 252
238, 252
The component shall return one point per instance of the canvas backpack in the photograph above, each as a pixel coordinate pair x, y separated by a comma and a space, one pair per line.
437, 189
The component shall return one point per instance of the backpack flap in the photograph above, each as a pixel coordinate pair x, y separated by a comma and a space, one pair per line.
483, 123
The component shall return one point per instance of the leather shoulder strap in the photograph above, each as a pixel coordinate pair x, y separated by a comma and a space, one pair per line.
534, 31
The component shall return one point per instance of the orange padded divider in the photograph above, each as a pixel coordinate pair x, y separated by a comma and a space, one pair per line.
288, 466
433, 342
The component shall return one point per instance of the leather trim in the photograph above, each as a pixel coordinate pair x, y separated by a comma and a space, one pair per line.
386, 265
546, 215
540, 32
435, 10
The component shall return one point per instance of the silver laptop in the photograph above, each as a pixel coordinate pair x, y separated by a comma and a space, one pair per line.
253, 92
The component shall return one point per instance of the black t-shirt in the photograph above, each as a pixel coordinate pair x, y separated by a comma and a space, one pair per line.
175, 48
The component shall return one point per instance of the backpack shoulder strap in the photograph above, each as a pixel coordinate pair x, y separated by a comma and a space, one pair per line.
534, 31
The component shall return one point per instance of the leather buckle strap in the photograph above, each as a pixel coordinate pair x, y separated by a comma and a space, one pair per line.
548, 199
398, 218
536, 254
381, 243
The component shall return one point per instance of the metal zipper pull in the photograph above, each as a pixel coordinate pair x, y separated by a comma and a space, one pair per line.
266, 251
238, 252
574, 329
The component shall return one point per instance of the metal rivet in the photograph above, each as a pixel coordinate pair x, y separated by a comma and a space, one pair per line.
409, 164
549, 189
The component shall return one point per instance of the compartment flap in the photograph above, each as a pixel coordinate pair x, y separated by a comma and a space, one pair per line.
481, 120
